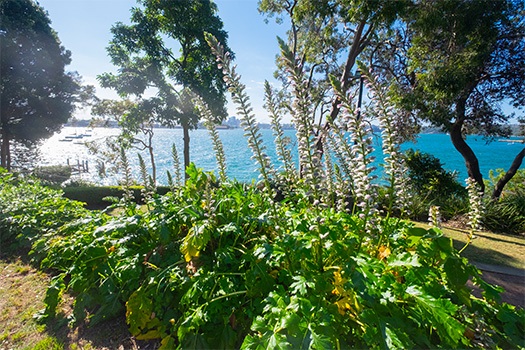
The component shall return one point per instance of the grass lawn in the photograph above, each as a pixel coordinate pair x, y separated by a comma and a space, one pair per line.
22, 291
489, 248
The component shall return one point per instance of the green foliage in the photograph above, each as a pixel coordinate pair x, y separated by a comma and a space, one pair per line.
506, 214
28, 209
433, 185
52, 175
217, 266
37, 94
220, 264
99, 197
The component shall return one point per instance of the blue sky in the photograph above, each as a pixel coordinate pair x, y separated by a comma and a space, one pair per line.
83, 26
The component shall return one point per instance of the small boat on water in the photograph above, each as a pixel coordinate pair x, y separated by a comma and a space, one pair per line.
72, 137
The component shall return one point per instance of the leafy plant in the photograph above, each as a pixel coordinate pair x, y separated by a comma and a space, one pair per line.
221, 264
430, 184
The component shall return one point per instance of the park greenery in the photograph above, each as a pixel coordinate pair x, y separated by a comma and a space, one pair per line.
316, 254
37, 95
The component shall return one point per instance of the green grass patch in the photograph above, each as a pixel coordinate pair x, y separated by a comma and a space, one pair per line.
489, 248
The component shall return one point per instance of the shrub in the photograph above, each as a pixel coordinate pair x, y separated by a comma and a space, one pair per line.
432, 185
28, 210
506, 215
99, 197
220, 266
52, 175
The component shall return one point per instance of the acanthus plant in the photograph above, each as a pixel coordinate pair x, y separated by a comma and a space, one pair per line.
361, 160
215, 139
173, 183
242, 100
208, 266
394, 168
281, 142
475, 196
310, 167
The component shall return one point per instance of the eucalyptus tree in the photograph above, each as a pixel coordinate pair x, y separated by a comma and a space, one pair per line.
328, 37
37, 95
162, 51
455, 63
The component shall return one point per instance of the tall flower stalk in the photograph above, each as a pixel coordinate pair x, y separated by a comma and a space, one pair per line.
309, 159
148, 184
244, 109
128, 178
394, 168
331, 196
281, 142
475, 196
215, 139
364, 191
434, 216
339, 144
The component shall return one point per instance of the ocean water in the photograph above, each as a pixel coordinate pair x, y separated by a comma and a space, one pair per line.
240, 166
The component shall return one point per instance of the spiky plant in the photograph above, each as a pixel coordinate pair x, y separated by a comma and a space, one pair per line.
281, 142
176, 165
127, 182
244, 109
309, 159
394, 168
215, 139
434, 216
148, 189
360, 162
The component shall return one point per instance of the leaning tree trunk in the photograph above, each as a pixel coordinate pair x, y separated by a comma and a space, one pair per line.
508, 175
356, 48
456, 135
186, 141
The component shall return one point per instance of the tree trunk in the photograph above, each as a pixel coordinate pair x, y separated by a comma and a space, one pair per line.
5, 161
456, 135
152, 157
186, 141
508, 175
355, 49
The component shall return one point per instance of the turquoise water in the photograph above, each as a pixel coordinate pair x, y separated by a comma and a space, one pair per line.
238, 155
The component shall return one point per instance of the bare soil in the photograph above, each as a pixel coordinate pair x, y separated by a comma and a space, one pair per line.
514, 287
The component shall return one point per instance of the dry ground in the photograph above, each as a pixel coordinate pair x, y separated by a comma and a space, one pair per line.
22, 290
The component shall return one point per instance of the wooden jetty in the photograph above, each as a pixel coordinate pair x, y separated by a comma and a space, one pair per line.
79, 167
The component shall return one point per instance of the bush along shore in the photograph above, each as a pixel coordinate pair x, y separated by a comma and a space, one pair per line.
314, 257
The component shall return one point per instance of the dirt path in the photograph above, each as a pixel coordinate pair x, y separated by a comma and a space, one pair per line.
512, 280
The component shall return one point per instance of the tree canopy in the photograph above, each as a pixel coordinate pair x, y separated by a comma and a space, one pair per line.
164, 49
37, 94
457, 63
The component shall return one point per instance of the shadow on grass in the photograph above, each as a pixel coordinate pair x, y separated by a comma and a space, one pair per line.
108, 334
501, 239
487, 256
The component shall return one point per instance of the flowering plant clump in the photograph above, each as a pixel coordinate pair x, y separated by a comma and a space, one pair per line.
173, 183
361, 168
281, 142
394, 167
241, 99
223, 265
309, 161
